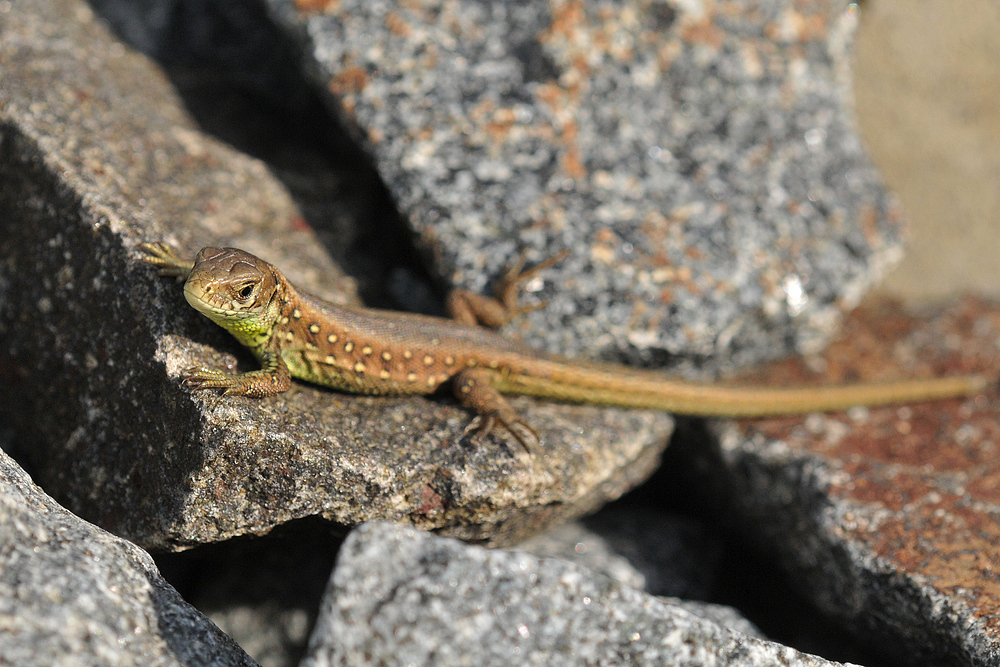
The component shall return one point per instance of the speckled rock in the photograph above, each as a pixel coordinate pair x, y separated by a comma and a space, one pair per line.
264, 593
656, 552
72, 594
661, 554
724, 615
887, 517
698, 160
95, 157
405, 597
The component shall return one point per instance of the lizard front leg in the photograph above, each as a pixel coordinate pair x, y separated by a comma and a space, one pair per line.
474, 389
272, 378
476, 309
165, 258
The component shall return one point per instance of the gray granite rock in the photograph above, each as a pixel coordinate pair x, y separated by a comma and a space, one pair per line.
404, 597
655, 552
660, 554
698, 160
264, 593
724, 615
238, 76
72, 594
573, 542
96, 156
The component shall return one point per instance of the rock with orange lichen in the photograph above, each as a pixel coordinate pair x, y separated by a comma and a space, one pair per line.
698, 160
887, 517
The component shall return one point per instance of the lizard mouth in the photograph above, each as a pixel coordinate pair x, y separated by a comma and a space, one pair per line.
206, 297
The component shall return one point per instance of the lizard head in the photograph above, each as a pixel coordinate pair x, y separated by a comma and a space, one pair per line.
236, 290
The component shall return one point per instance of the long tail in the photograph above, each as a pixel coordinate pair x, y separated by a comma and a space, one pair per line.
639, 389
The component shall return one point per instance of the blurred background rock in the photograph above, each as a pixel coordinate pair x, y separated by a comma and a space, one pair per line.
927, 85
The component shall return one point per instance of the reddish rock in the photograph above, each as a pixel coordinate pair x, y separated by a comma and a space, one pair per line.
889, 515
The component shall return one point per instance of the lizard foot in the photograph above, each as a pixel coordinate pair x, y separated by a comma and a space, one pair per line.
207, 378
483, 425
473, 389
257, 384
165, 258
476, 309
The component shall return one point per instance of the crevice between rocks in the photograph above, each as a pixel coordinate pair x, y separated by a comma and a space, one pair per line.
240, 77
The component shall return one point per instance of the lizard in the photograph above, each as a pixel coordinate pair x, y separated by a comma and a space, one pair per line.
380, 352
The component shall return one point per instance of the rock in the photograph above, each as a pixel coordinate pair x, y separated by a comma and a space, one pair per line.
238, 76
402, 596
96, 156
264, 593
886, 518
724, 615
71, 593
698, 160
652, 551
662, 554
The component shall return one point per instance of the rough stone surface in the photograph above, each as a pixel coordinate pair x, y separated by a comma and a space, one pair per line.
664, 555
405, 597
888, 518
724, 615
72, 594
238, 75
655, 552
264, 593
698, 160
95, 156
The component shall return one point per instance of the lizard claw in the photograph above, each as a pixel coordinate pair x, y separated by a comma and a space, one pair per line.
258, 384
483, 425
525, 435
207, 378
508, 288
476, 309
165, 258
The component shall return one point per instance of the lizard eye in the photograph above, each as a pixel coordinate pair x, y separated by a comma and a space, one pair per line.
246, 291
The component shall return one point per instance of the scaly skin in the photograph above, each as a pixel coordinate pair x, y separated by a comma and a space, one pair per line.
368, 351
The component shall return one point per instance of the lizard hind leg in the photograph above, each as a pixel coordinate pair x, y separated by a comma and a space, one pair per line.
474, 390
476, 309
